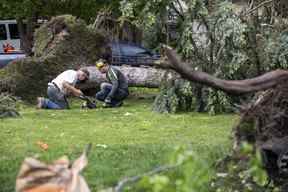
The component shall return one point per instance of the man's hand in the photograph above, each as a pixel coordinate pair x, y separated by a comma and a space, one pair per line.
73, 90
108, 100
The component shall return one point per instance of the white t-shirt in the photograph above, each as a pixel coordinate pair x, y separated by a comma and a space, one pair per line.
69, 76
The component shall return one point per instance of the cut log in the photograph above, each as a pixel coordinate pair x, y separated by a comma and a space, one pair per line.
137, 76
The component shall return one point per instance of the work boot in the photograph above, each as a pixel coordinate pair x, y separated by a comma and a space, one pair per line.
39, 102
119, 104
109, 105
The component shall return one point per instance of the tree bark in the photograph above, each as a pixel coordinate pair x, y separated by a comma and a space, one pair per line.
137, 77
235, 87
26, 32
23, 40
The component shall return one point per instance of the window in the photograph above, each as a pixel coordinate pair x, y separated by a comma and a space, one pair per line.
13, 29
3, 34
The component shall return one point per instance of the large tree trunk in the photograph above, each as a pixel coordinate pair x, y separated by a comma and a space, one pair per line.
26, 32
137, 77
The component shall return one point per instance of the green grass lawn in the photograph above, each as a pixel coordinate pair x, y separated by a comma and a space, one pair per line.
137, 139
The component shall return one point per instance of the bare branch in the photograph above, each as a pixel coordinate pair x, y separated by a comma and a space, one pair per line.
179, 12
236, 87
121, 184
180, 7
257, 7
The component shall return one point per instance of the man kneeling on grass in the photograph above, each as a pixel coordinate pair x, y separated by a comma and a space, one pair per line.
114, 92
60, 87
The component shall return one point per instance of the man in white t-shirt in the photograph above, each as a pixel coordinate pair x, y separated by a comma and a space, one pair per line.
60, 87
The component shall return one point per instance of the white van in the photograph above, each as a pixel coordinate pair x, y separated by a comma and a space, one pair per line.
9, 34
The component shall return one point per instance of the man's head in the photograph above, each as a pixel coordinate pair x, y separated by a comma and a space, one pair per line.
102, 65
83, 75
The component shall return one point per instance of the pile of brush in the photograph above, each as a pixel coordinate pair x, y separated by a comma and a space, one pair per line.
8, 106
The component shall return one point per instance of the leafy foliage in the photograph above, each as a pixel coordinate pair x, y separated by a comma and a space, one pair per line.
242, 172
8, 106
218, 102
214, 42
220, 42
218, 47
192, 175
143, 13
274, 43
175, 96
86, 10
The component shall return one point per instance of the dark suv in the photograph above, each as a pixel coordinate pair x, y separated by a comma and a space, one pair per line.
132, 54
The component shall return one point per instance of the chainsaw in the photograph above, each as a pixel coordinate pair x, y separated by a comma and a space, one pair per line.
88, 103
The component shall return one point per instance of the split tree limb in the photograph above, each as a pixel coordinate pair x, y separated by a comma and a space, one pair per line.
235, 87
121, 184
257, 7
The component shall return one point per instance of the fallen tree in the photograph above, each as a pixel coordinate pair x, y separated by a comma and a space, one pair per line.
176, 93
137, 76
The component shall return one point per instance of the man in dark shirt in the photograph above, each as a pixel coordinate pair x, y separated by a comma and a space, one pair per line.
114, 92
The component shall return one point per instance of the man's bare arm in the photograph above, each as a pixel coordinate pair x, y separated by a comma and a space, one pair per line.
72, 90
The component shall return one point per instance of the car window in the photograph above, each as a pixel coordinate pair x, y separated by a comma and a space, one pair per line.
133, 50
13, 29
3, 34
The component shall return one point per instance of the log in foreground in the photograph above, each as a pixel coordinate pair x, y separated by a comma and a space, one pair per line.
149, 77
235, 87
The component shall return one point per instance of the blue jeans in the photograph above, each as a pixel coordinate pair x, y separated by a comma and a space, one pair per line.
120, 94
56, 99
